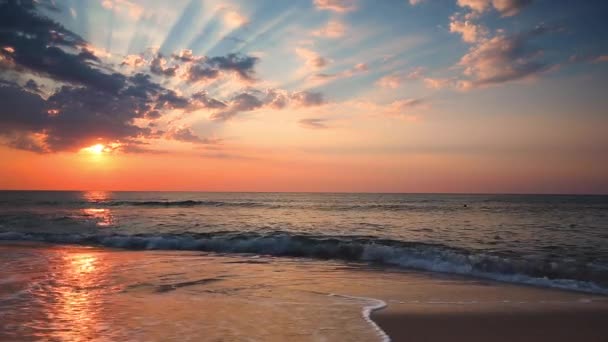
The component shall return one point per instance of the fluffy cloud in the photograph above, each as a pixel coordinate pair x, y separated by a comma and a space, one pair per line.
510, 7
475, 5
312, 59
340, 6
469, 31
503, 58
505, 7
158, 66
195, 68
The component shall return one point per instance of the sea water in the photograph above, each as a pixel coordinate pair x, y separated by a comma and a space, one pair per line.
555, 241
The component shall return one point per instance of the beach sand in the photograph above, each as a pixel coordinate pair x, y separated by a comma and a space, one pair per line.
73, 293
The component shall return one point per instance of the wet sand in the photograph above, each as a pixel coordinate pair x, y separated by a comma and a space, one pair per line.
552, 322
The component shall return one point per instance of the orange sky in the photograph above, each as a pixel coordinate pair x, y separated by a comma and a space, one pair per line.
348, 96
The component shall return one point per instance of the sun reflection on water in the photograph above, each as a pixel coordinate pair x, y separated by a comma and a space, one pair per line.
102, 217
75, 312
96, 196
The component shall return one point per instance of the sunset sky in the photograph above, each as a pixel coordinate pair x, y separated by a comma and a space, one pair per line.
506, 96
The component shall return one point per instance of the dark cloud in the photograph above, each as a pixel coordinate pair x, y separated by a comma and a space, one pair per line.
86, 101
204, 101
158, 66
242, 65
41, 46
308, 99
187, 135
313, 123
204, 68
243, 102
271, 98
201, 71
91, 104
31, 85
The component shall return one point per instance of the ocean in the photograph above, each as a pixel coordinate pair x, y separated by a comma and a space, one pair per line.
217, 253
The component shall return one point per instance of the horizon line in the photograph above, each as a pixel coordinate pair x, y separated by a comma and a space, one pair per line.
321, 192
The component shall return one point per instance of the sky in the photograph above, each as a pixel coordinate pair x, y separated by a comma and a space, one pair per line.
470, 96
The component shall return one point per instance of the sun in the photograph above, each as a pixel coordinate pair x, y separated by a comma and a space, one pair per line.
95, 149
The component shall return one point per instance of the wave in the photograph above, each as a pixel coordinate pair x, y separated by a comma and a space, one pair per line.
584, 277
239, 204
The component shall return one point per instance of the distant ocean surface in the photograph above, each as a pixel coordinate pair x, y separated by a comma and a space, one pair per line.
551, 241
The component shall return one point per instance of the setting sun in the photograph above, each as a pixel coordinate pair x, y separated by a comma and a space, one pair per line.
96, 149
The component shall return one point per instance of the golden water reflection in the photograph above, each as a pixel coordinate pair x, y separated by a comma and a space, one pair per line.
102, 217
75, 313
96, 196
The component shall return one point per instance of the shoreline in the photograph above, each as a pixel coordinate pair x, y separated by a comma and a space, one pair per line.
334, 299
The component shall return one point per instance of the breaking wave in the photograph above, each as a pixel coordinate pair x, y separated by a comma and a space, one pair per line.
585, 277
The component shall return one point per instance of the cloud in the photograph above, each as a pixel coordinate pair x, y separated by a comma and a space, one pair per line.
202, 100
505, 7
509, 8
268, 99
158, 66
133, 61
234, 19
186, 134
357, 69
333, 29
193, 68
313, 123
475, 5
503, 58
416, 2
405, 108
469, 31
243, 102
395, 80
240, 64
121, 7
340, 6
91, 102
407, 103
438, 83
308, 99
86, 101
312, 59
232, 16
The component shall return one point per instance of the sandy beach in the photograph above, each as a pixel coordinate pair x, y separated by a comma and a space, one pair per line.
77, 293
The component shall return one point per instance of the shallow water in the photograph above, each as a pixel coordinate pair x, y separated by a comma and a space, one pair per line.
556, 241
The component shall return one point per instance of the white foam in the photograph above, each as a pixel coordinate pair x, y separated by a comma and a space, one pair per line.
373, 305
